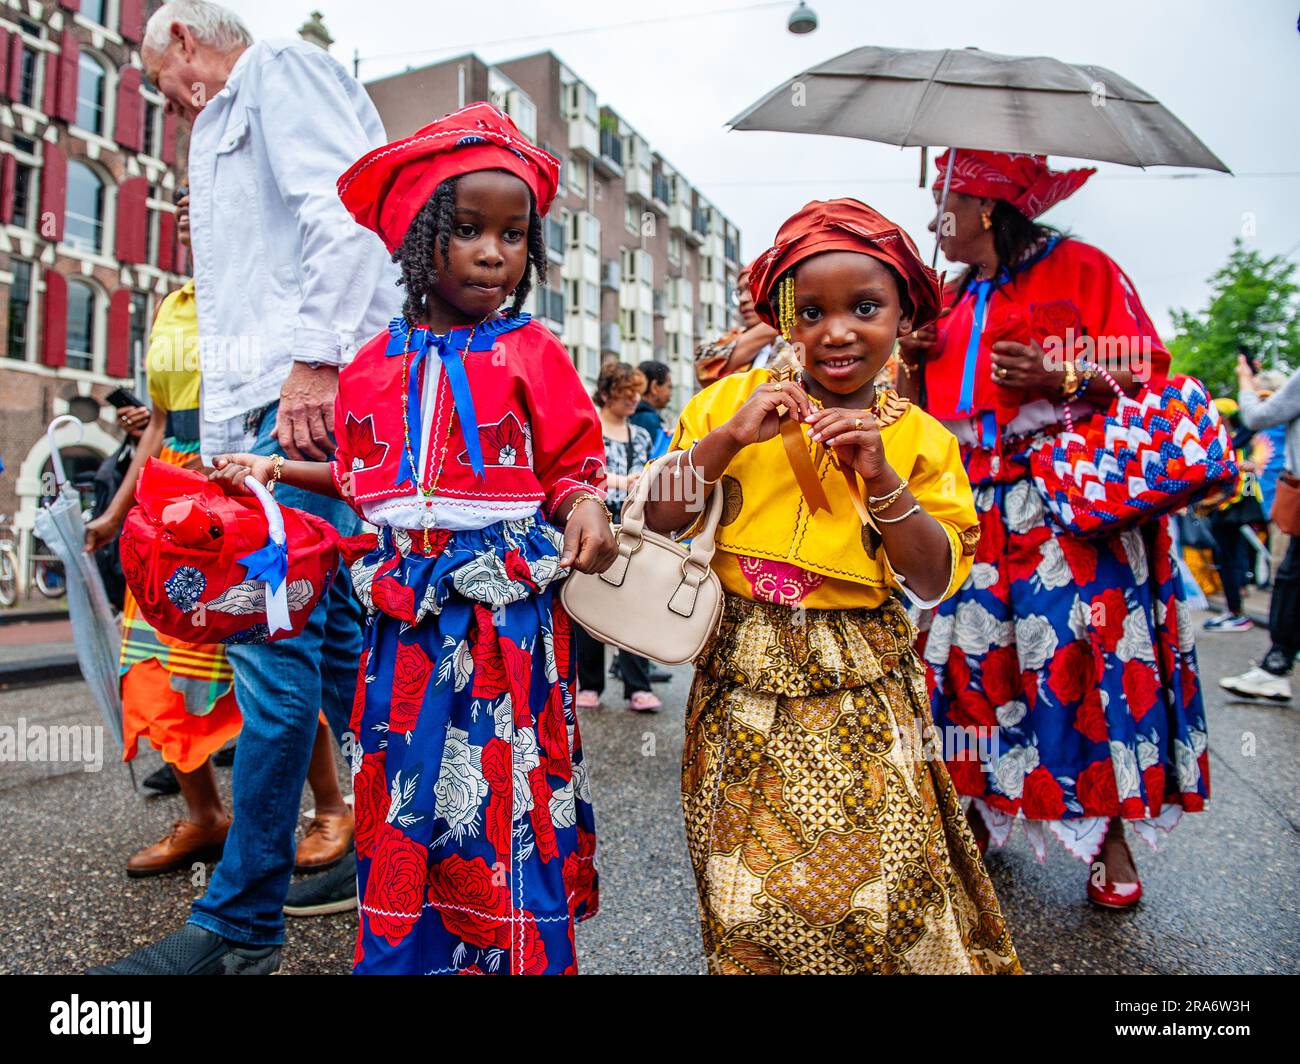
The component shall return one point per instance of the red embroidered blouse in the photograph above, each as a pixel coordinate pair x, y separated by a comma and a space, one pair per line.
538, 430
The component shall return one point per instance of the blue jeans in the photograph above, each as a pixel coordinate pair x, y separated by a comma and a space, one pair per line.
280, 687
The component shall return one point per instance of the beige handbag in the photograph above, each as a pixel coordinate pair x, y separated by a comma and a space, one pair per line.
659, 599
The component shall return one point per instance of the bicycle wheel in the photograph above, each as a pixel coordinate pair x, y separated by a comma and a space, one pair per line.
50, 581
8, 577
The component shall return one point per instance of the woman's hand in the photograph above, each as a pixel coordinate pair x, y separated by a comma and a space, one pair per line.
855, 437
101, 531
1245, 375
1024, 366
914, 347
589, 545
133, 418
758, 419
231, 470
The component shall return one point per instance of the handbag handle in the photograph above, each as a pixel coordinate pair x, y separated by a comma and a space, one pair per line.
633, 520
1114, 387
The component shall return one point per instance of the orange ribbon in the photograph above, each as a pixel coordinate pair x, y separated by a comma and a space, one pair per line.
805, 474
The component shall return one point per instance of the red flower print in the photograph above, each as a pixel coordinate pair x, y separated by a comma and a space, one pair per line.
1106, 615
580, 876
993, 537
519, 673
1070, 672
504, 444
1141, 687
353, 548
370, 798
517, 569
1000, 675
365, 451
548, 847
972, 709
1054, 320
395, 888
389, 596
562, 636
967, 775
1043, 798
473, 907
1029, 688
1025, 552
1132, 808
554, 736
1153, 778
411, 674
1010, 806
1081, 557
1091, 718
490, 677
532, 951
1095, 788
497, 772
359, 699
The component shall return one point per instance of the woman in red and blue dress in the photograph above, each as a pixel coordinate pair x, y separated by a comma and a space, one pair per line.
465, 435
1063, 673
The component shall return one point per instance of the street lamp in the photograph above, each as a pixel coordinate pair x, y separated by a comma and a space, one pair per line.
803, 19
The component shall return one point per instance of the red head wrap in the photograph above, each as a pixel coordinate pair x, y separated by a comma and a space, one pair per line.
385, 189
1024, 181
845, 225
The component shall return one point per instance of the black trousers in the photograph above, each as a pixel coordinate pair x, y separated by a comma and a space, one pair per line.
632, 669
1230, 557
1284, 613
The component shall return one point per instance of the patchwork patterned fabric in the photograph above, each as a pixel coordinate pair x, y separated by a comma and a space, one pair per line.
825, 835
474, 830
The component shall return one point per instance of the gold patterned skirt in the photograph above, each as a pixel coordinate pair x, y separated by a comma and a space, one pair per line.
823, 838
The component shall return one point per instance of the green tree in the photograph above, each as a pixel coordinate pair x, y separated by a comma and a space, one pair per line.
1253, 308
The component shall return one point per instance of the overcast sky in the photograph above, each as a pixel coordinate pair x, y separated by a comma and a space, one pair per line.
1230, 71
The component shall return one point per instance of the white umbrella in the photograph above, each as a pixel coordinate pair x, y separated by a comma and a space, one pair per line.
96, 635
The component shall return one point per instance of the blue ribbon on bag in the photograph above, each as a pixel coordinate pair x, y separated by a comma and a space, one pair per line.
271, 564
451, 348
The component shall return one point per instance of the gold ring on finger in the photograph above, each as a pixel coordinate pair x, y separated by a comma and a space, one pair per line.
857, 423
1002, 372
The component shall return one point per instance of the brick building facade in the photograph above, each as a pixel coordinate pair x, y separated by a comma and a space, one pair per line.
643, 264
88, 243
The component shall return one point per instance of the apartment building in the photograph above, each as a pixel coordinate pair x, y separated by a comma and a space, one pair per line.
88, 243
643, 264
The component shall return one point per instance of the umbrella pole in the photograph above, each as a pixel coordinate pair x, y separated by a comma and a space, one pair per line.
943, 205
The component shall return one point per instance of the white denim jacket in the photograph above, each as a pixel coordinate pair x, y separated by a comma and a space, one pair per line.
282, 272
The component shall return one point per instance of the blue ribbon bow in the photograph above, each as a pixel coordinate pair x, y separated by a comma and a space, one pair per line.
271, 564
451, 347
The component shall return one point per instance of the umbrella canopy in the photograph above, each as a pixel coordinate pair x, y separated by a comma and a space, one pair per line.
967, 98
95, 633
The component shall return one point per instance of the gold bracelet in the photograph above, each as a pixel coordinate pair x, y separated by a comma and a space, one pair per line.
877, 503
277, 466
1071, 383
584, 496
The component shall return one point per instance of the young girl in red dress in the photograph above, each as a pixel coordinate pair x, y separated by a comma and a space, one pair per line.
465, 435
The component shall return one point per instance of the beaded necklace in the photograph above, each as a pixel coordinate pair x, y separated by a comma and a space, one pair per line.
431, 490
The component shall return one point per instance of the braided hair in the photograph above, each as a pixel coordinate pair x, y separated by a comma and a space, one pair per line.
429, 240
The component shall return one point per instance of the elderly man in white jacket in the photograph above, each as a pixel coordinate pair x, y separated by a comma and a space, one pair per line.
287, 287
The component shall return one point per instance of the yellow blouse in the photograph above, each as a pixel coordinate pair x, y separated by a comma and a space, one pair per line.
770, 548
173, 358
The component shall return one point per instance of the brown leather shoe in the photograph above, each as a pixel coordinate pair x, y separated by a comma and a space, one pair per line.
186, 843
328, 838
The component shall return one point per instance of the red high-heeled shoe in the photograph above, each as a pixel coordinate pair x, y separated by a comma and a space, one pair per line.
1115, 895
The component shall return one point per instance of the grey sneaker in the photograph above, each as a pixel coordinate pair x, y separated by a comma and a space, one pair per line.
193, 950
332, 891
1258, 683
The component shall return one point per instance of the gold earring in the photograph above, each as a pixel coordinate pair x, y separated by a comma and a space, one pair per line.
785, 307
986, 221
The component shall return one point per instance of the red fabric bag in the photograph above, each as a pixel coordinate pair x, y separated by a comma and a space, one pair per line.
198, 561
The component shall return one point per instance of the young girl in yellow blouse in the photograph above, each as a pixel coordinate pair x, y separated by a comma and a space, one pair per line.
824, 831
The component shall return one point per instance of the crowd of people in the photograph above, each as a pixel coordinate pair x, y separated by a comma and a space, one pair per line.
912, 658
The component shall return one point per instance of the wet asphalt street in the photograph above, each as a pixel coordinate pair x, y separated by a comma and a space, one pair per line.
1220, 895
